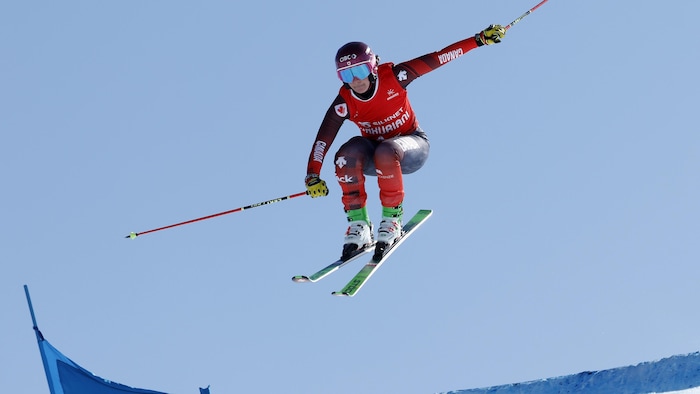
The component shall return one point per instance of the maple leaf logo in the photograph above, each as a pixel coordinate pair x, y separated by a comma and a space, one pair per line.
341, 109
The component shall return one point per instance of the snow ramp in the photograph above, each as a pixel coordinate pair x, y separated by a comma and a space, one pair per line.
676, 374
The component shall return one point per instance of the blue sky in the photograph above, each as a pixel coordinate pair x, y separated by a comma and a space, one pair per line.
563, 176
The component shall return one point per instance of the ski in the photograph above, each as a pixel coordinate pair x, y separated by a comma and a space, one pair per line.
371, 267
333, 266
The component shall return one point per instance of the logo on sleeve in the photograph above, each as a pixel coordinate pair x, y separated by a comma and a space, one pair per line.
341, 110
402, 75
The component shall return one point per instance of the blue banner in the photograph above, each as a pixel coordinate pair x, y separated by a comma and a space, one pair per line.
66, 377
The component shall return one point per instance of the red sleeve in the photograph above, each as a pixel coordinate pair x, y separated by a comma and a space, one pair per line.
326, 135
408, 71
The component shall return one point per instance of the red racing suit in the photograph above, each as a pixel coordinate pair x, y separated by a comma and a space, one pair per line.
387, 114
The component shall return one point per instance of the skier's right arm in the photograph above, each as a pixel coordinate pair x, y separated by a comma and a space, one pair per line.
315, 186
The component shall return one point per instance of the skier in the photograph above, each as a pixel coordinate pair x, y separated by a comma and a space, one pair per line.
374, 97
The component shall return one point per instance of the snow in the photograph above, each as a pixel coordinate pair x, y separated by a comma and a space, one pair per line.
689, 391
677, 374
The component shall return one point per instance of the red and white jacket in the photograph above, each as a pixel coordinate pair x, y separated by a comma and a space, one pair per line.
387, 113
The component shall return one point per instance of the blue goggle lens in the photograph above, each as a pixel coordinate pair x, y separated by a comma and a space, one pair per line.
361, 71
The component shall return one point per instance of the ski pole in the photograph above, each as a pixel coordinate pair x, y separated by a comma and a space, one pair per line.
133, 235
525, 14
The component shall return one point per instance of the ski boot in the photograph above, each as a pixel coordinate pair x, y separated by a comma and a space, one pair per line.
390, 230
358, 237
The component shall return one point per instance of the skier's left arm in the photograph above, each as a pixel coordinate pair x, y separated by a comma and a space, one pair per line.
408, 71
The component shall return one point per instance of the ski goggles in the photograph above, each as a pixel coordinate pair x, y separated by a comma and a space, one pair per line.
360, 71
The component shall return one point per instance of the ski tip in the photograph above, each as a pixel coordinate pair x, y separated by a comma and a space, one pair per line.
426, 212
301, 279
